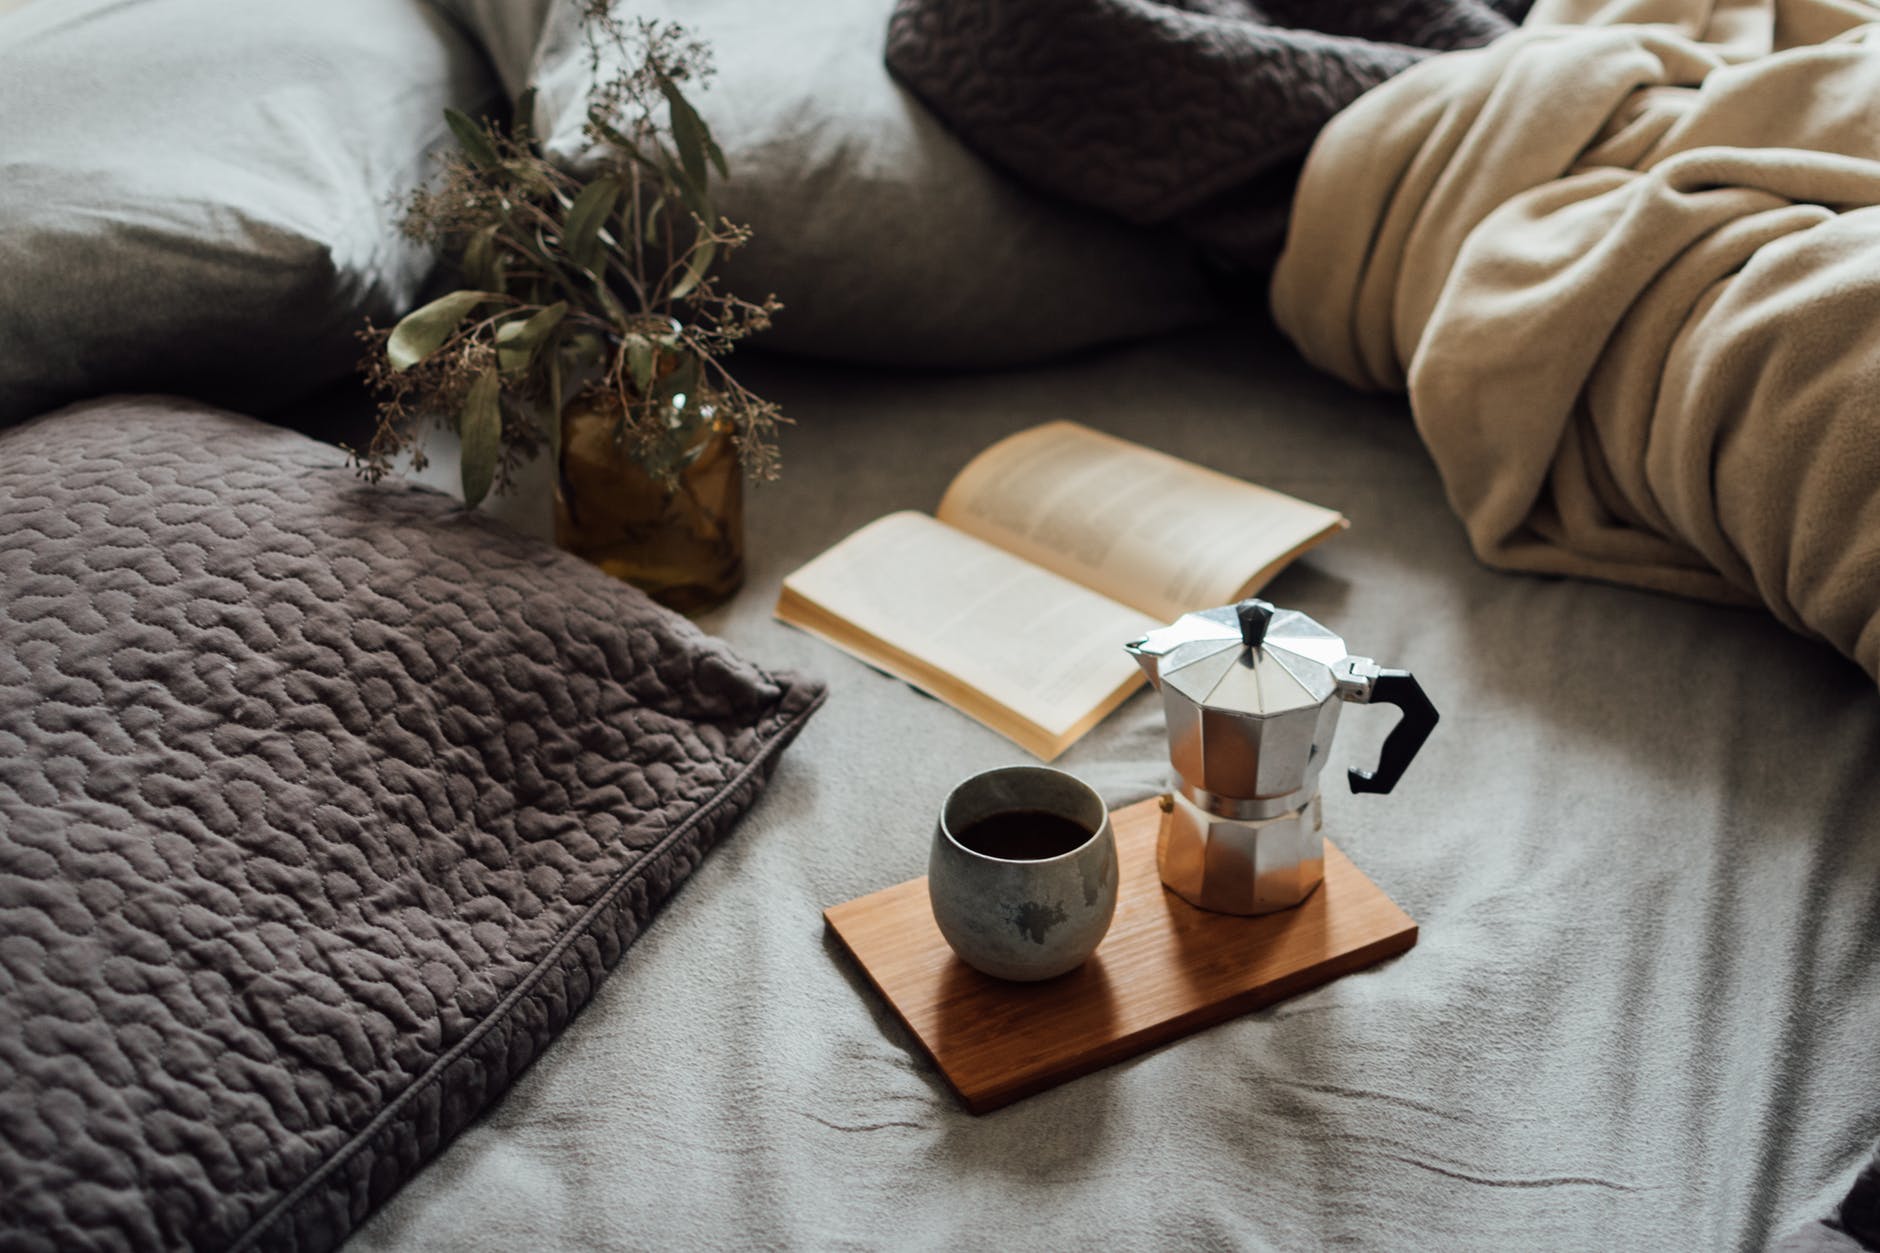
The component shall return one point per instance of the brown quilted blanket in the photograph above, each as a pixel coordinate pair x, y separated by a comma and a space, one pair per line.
1189, 112
323, 808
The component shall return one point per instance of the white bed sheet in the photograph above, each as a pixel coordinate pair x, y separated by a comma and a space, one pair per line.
1643, 847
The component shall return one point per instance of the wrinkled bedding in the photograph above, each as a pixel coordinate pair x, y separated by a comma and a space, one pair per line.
1852, 1222
1193, 113
1628, 276
323, 809
1643, 849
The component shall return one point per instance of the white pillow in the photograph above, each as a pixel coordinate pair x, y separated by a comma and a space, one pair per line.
885, 237
197, 195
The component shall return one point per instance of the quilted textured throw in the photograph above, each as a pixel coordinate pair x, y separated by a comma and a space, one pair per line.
323, 808
1189, 112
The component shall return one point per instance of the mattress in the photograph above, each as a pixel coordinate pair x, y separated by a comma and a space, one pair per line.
1643, 848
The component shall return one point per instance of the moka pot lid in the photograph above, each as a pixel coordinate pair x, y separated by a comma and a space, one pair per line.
1253, 660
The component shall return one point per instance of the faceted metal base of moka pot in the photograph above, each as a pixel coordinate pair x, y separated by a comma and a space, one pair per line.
1240, 865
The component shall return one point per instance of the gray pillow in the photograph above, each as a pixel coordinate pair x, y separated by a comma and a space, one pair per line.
194, 194
885, 237
323, 809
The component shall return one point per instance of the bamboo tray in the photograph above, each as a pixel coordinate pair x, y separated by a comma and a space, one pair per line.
1164, 970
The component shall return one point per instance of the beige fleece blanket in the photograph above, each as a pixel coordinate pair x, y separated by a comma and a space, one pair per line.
1626, 261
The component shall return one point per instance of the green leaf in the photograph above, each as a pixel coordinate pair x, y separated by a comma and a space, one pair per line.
599, 121
652, 220
552, 354
691, 195
712, 149
424, 330
611, 303
640, 361
692, 135
471, 138
696, 267
548, 258
481, 266
546, 320
520, 339
480, 427
688, 131
591, 209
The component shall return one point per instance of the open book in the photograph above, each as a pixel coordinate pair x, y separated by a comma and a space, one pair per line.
1050, 550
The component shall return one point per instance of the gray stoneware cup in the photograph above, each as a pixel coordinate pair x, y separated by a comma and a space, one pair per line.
1023, 920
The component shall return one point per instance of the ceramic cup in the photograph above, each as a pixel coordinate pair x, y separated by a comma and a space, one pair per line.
1023, 919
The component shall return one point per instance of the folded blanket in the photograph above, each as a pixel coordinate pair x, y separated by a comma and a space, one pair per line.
1629, 275
1195, 112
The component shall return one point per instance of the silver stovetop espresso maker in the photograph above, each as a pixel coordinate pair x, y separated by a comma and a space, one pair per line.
1252, 695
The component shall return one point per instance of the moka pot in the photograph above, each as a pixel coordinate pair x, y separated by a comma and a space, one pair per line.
1252, 695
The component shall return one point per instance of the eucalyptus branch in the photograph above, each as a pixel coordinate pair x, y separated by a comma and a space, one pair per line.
617, 264
636, 227
574, 264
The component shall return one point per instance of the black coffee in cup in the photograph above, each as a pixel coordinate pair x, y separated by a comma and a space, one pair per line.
1022, 872
1023, 835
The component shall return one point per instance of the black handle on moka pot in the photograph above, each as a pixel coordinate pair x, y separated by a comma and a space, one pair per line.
1399, 688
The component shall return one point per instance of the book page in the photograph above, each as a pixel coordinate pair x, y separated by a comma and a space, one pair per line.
1044, 648
1160, 534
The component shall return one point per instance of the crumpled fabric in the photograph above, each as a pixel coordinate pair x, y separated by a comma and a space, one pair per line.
1193, 114
1626, 263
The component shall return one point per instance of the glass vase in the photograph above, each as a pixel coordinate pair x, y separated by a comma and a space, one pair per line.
681, 542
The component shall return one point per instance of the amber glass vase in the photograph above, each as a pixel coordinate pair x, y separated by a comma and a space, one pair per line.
682, 542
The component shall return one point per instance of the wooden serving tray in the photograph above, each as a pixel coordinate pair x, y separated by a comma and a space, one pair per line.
1164, 970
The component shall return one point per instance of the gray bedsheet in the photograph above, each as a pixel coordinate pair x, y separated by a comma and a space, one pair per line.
1644, 848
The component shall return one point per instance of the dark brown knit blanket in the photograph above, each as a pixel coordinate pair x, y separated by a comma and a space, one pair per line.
1195, 113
